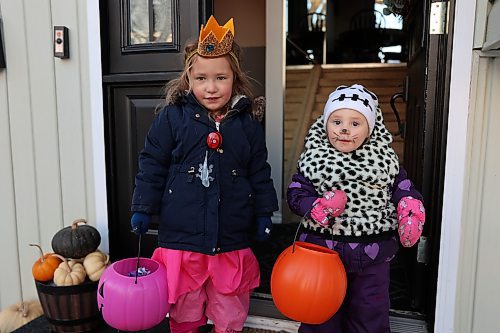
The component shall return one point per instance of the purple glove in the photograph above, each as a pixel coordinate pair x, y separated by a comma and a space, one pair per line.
332, 204
411, 218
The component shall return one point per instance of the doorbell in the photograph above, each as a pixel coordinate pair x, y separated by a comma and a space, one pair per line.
61, 42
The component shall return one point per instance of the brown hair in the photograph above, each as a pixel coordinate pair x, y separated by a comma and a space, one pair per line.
176, 88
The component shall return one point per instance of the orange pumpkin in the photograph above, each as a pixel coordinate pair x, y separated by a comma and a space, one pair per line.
43, 269
308, 283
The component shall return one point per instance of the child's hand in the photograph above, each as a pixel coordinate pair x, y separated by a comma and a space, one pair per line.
264, 227
411, 218
332, 204
140, 222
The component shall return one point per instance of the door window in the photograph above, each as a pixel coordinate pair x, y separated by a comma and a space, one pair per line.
148, 25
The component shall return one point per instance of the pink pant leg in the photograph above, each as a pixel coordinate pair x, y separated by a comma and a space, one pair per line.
227, 312
187, 327
187, 314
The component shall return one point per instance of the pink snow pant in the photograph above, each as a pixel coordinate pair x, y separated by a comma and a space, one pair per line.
227, 312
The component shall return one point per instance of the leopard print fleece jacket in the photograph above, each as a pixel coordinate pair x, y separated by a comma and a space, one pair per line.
365, 175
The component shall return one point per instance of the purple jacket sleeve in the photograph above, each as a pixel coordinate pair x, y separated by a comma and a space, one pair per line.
301, 195
403, 187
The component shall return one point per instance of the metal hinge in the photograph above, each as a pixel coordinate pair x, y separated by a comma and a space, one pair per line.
438, 24
423, 250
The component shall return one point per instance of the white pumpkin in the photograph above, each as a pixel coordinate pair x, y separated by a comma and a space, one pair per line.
95, 263
69, 273
19, 314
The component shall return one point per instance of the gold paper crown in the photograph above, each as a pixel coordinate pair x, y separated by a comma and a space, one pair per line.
215, 40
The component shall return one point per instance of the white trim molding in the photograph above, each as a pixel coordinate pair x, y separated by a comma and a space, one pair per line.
275, 92
97, 122
477, 296
451, 232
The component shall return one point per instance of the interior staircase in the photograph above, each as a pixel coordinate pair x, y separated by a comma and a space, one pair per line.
307, 90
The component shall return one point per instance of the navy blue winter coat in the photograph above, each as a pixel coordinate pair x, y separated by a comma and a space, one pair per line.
193, 217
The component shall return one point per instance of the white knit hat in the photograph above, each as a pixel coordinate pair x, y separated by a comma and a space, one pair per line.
355, 97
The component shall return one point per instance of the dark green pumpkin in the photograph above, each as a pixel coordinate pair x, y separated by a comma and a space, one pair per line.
76, 241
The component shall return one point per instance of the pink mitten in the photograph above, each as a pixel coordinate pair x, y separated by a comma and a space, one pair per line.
411, 217
332, 204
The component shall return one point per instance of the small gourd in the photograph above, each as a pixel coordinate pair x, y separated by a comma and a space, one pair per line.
69, 273
95, 263
76, 241
18, 315
43, 269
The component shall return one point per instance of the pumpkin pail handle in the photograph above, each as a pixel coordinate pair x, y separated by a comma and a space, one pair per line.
296, 233
138, 256
298, 227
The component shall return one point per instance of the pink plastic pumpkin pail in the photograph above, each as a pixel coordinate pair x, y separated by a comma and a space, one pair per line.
128, 303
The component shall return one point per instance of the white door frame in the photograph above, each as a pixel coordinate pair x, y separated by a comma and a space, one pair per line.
97, 108
275, 85
454, 182
275, 92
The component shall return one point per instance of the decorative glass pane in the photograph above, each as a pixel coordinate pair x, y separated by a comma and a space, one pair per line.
162, 22
150, 21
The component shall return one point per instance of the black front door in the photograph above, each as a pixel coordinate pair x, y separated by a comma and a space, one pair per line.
142, 43
428, 80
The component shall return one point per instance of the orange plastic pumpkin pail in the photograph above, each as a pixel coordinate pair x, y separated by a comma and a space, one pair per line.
308, 283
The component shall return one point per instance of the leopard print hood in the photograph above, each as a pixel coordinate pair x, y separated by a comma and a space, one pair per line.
365, 175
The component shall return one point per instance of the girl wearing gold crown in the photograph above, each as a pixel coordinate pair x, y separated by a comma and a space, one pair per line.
204, 171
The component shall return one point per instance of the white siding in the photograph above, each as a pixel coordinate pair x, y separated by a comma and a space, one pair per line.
47, 173
10, 288
479, 272
492, 38
482, 8
487, 300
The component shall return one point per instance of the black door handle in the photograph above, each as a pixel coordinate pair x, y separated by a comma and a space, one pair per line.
401, 125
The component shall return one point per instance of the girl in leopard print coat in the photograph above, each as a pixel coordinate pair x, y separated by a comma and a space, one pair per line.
347, 188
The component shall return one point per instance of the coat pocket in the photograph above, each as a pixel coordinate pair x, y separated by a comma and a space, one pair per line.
184, 204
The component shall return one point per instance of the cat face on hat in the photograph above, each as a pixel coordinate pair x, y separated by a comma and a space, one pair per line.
355, 97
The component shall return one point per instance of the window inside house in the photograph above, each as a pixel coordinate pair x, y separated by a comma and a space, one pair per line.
392, 23
316, 13
330, 32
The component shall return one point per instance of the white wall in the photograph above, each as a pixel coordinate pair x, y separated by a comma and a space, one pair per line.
47, 134
468, 296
